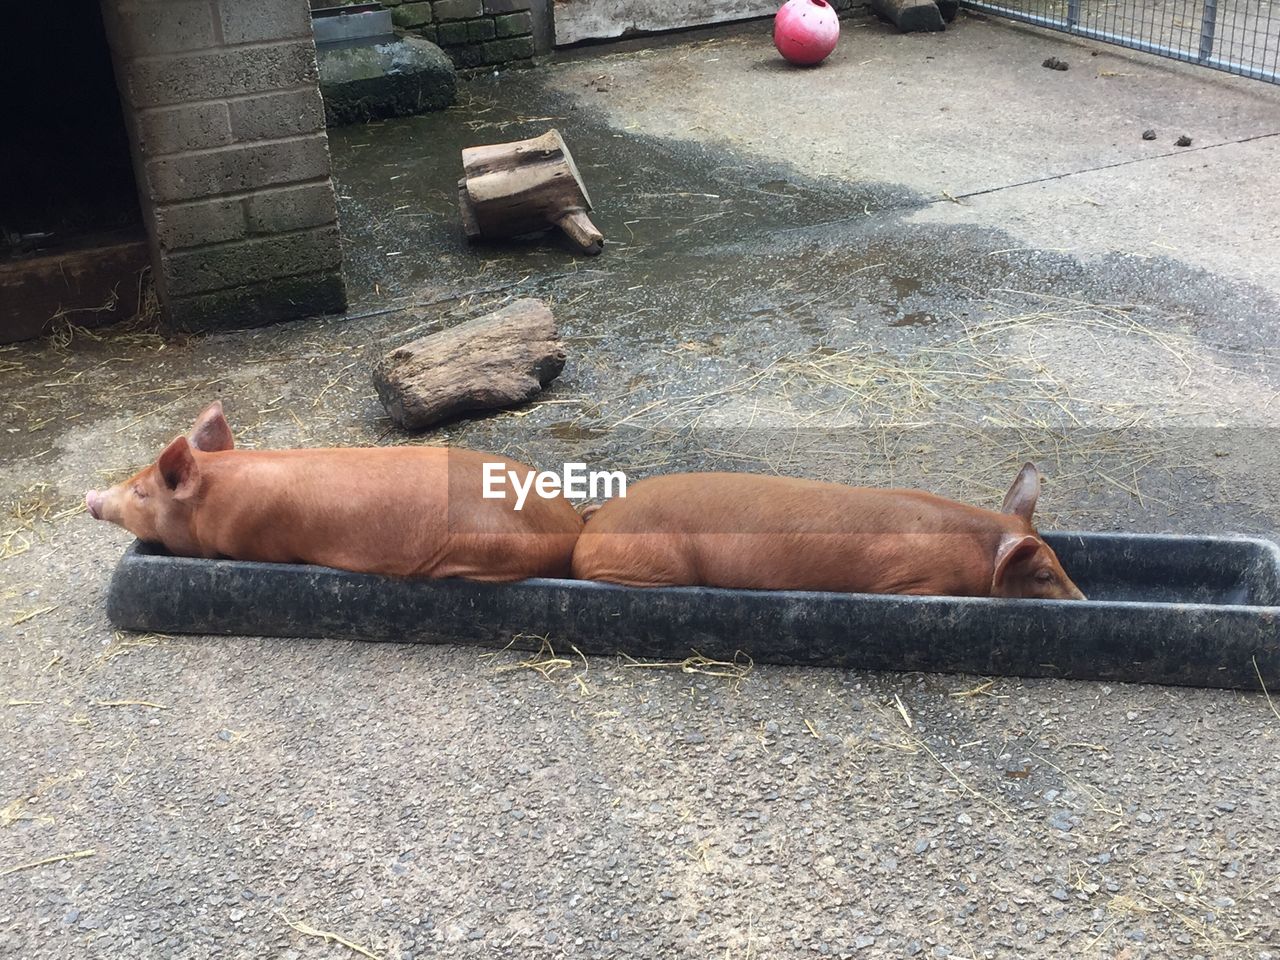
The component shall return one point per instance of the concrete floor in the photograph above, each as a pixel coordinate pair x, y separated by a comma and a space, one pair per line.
921, 263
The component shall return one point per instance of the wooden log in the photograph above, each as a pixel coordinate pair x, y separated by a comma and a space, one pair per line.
509, 189
498, 360
910, 16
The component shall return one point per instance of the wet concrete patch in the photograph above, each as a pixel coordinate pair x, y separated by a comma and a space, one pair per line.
743, 316
399, 206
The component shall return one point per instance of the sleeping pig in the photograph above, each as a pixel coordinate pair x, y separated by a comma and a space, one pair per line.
400, 511
778, 533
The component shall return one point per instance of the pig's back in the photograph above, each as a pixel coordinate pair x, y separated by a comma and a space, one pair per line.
751, 531
401, 511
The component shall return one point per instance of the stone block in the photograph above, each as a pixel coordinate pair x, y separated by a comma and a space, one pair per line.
253, 21
467, 57
513, 24
505, 6
237, 168
224, 266
504, 51
196, 224
254, 305
451, 34
175, 27
291, 208
478, 30
410, 15
458, 9
218, 74
273, 115
194, 126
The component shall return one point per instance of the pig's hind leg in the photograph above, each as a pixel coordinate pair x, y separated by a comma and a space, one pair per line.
634, 560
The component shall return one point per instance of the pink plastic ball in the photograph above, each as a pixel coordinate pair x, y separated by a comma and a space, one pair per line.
806, 31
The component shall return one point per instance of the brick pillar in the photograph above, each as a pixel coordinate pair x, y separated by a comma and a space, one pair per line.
223, 105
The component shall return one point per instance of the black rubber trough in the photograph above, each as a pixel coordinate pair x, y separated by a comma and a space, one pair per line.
1192, 611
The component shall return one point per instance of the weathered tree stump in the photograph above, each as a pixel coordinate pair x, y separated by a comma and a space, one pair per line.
498, 360
910, 16
509, 189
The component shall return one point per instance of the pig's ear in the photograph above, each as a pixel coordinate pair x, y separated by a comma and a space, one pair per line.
178, 468
1023, 494
1014, 550
211, 432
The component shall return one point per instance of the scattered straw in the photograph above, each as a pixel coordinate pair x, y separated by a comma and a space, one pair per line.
902, 709
1265, 691
129, 703
13, 544
34, 506
546, 663
916, 743
32, 614
69, 512
476, 125
165, 406
139, 330
328, 936
17, 809
995, 805
1113, 810
1101, 933
123, 644
981, 690
1125, 903
1096, 747
956, 411
77, 855
735, 671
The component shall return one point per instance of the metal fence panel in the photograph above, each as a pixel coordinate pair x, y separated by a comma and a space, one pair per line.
1238, 36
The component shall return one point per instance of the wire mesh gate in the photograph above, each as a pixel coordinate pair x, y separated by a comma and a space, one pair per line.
1238, 36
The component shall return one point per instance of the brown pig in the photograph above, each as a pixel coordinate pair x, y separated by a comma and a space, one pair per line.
778, 533
398, 511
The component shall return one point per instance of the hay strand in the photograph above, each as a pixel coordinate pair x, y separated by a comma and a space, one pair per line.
59, 858
1265, 692
735, 671
129, 703
329, 936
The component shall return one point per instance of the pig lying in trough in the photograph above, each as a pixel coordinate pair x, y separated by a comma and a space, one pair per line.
757, 532
398, 511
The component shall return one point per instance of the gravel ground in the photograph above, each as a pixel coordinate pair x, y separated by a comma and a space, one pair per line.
237, 797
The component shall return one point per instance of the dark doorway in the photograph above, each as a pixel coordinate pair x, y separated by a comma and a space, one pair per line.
71, 234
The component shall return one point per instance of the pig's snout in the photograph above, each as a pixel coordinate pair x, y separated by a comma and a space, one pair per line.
93, 500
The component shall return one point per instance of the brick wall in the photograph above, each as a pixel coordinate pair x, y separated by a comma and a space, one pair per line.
224, 110
474, 33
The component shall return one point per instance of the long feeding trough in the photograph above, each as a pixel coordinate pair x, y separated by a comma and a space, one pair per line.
1194, 611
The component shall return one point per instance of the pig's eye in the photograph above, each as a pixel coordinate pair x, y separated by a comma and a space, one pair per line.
139, 493
1044, 576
